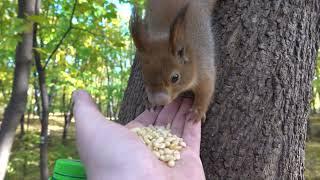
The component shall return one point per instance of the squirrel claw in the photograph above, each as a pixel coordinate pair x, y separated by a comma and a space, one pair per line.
153, 109
149, 106
195, 115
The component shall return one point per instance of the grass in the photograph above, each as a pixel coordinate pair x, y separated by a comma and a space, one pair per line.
24, 160
312, 162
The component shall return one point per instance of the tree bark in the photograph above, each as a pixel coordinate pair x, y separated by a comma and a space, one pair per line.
21, 126
68, 114
51, 96
30, 110
67, 120
256, 125
44, 171
18, 99
65, 114
36, 97
309, 133
132, 104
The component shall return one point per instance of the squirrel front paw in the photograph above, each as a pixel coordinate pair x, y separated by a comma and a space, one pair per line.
148, 105
195, 114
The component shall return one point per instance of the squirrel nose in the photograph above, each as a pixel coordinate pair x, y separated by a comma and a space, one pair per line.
159, 99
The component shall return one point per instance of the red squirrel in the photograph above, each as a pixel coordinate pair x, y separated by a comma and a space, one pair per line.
175, 47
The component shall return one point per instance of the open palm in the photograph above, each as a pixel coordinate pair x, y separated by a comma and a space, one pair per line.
112, 151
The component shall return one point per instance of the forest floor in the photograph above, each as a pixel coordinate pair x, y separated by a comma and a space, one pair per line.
24, 159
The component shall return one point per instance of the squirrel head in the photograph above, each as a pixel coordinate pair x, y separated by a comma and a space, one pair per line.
167, 64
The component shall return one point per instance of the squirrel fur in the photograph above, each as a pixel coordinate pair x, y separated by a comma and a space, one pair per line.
175, 48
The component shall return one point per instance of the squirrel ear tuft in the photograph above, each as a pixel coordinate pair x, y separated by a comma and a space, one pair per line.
138, 31
177, 31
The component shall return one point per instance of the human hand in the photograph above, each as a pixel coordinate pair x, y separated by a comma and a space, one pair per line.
111, 151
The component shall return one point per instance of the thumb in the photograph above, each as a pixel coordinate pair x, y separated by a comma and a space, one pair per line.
82, 97
90, 124
86, 113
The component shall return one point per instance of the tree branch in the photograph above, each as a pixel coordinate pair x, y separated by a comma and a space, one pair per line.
64, 35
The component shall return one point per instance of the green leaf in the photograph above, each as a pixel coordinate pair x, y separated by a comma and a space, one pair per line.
37, 18
42, 51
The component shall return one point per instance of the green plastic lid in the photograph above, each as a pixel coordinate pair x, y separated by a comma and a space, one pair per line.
68, 169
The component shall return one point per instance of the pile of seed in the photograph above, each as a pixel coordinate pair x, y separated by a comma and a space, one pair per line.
165, 146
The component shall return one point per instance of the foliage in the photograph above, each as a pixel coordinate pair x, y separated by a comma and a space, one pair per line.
83, 45
96, 54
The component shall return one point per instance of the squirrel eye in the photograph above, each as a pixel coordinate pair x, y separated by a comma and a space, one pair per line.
181, 52
175, 78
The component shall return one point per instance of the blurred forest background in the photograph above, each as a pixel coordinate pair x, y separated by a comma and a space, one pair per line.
82, 45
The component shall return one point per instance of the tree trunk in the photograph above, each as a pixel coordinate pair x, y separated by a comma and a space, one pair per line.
110, 111
21, 126
65, 114
44, 172
132, 104
52, 95
309, 133
256, 126
36, 97
67, 120
30, 109
18, 99
28, 120
68, 114
44, 120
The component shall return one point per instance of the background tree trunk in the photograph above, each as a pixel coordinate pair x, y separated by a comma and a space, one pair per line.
36, 97
44, 120
21, 126
309, 133
68, 114
65, 114
44, 171
256, 127
18, 99
30, 110
67, 120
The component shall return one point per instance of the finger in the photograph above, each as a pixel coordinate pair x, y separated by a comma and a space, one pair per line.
168, 113
87, 115
192, 135
84, 108
134, 124
177, 124
82, 97
144, 119
89, 122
